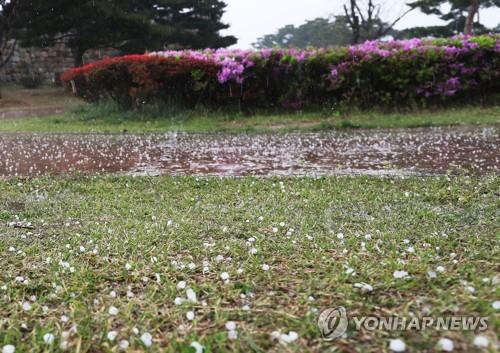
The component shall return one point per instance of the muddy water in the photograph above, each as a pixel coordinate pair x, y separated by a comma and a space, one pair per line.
379, 152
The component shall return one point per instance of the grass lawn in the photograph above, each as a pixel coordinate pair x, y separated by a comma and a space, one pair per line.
91, 120
93, 263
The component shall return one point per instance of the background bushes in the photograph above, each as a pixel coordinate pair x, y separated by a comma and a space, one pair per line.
392, 74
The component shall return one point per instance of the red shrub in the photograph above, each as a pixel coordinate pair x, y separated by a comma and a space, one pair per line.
138, 79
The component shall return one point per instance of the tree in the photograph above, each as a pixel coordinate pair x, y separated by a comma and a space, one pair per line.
461, 15
193, 23
320, 32
131, 26
7, 42
365, 21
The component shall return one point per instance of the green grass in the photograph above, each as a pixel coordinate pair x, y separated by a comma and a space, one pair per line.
109, 118
81, 232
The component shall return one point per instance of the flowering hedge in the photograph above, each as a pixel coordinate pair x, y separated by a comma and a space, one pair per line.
381, 73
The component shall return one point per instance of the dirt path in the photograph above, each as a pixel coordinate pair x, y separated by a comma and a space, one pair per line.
379, 152
17, 103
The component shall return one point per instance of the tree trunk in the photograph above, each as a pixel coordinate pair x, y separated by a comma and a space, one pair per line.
356, 31
78, 56
469, 23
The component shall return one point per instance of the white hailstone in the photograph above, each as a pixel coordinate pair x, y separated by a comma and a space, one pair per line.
440, 269
406, 241
64, 318
445, 344
411, 250
191, 295
112, 335
147, 339
170, 223
190, 315
123, 344
253, 251
288, 338
8, 349
219, 258
245, 308
181, 285
130, 294
113, 311
397, 345
400, 274
470, 289
481, 341
230, 325
365, 287
48, 338
349, 271
275, 335
112, 294
178, 301
275, 230
82, 249
340, 236
26, 306
265, 267
239, 271
224, 276
135, 330
232, 335
432, 274
128, 266
251, 240
191, 265
496, 305
198, 348
282, 224
368, 237
158, 278
12, 249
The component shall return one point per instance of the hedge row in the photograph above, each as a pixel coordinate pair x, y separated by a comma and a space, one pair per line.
380, 73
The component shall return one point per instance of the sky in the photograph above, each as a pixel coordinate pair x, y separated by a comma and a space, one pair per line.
251, 19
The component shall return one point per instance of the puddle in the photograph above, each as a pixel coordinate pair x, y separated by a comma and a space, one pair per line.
429, 151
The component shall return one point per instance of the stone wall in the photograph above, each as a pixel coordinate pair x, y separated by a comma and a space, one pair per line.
49, 62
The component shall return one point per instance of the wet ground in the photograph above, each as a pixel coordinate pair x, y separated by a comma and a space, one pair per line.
378, 152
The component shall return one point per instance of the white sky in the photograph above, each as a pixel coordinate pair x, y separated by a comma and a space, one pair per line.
251, 19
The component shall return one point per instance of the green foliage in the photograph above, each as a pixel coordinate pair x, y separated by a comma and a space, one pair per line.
455, 17
131, 26
320, 32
